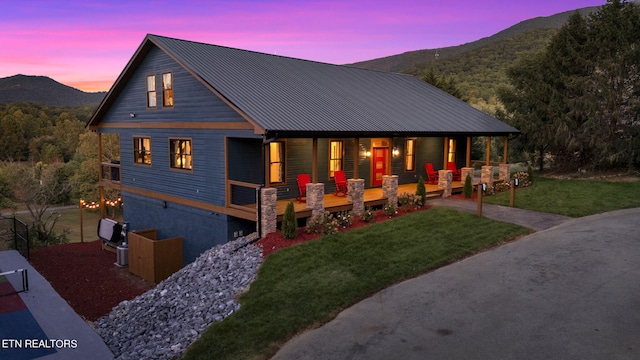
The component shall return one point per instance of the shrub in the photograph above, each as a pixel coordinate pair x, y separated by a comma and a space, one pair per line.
467, 190
344, 218
406, 200
325, 224
530, 173
289, 222
524, 178
389, 209
421, 192
368, 215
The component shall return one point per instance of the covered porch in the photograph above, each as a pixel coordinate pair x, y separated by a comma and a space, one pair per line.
372, 197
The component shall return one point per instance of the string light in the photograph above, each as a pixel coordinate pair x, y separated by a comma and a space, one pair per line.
96, 205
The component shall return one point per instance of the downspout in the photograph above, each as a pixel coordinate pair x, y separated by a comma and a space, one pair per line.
259, 190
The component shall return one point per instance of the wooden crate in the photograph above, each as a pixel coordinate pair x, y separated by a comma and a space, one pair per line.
151, 259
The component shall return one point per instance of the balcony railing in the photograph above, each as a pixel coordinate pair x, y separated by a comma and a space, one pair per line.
111, 173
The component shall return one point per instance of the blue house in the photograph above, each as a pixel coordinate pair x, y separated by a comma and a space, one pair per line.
202, 127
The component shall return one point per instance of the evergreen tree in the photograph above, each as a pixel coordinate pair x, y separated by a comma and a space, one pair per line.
289, 222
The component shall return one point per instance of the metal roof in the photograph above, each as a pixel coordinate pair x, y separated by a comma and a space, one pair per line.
288, 96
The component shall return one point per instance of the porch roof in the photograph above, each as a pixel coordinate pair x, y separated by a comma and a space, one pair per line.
287, 97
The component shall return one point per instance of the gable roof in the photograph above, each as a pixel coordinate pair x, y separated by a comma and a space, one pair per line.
292, 97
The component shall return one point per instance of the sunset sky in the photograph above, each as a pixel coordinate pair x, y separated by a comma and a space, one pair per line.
86, 44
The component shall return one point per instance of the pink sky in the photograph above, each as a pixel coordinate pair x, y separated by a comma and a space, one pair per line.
86, 44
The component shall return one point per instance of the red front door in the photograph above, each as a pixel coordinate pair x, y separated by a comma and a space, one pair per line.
380, 156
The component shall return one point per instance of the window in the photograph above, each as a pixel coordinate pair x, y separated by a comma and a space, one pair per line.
142, 150
167, 89
410, 155
276, 162
151, 91
336, 156
451, 156
180, 154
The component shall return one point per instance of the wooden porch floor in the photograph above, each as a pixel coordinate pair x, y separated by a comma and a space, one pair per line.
372, 197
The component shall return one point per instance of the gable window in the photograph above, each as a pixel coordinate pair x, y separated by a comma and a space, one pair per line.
410, 155
336, 156
167, 89
151, 91
276, 162
142, 150
180, 156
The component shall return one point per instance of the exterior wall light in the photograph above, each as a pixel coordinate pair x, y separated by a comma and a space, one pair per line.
132, 114
396, 152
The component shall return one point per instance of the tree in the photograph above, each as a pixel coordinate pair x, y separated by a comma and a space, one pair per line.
448, 85
578, 99
39, 188
289, 222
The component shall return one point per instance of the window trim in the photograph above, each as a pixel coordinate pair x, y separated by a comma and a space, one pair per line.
169, 90
331, 159
283, 161
154, 91
136, 151
411, 155
172, 154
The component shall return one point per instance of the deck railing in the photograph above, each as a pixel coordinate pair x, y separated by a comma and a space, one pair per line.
242, 196
111, 173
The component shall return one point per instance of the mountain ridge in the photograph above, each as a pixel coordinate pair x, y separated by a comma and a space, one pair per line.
45, 90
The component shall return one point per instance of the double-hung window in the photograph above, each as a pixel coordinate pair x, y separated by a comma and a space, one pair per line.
142, 150
180, 154
167, 89
151, 91
336, 157
276, 162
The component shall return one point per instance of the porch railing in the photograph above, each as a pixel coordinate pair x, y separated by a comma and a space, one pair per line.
111, 173
242, 196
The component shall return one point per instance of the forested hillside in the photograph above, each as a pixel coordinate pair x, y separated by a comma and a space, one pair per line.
44, 90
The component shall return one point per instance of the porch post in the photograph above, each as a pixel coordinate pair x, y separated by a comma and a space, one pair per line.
505, 154
488, 154
355, 195
504, 172
100, 186
463, 174
314, 161
446, 152
487, 175
390, 189
356, 157
445, 178
468, 164
315, 199
269, 214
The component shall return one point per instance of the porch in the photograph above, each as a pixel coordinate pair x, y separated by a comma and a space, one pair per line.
372, 197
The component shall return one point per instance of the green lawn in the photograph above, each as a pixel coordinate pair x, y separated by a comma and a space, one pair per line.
70, 221
308, 284
573, 198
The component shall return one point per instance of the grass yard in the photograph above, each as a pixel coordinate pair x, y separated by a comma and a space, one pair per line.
70, 221
306, 285
575, 198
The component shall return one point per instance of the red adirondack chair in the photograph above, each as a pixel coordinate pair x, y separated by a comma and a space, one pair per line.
456, 172
341, 183
432, 174
303, 180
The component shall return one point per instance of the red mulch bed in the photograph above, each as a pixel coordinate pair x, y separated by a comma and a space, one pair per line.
274, 241
87, 278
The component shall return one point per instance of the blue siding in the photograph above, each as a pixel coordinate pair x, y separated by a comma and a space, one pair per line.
193, 102
200, 232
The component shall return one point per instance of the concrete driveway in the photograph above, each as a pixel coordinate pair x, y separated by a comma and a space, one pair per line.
568, 292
